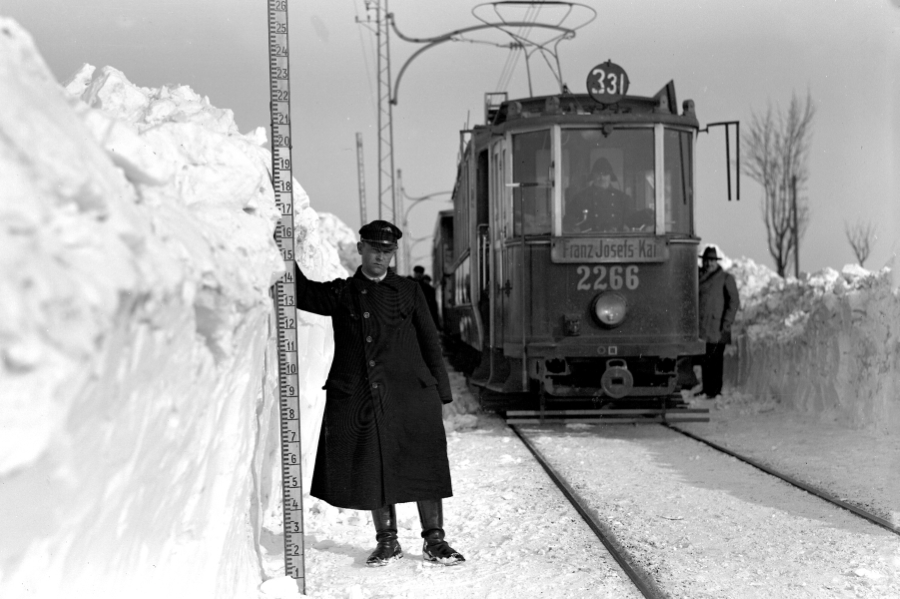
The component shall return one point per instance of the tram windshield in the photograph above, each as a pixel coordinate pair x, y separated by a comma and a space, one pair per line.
608, 181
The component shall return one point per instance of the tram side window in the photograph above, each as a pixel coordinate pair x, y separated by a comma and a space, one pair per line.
608, 180
462, 283
482, 188
532, 191
449, 290
679, 193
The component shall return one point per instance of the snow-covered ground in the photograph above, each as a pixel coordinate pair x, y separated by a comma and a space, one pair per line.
706, 526
138, 409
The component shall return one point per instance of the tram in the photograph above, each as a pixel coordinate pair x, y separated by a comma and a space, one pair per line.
567, 267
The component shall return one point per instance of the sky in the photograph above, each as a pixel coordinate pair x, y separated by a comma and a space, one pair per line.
733, 59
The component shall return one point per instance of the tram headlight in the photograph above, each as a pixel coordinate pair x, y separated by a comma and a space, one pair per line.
609, 309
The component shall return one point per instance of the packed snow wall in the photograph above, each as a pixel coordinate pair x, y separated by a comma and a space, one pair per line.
138, 374
827, 344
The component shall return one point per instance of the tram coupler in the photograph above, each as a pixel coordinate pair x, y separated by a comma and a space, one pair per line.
617, 381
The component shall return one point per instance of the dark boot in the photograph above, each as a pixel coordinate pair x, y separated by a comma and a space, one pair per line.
435, 548
388, 548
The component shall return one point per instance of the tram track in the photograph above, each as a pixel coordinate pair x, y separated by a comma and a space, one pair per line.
641, 578
793, 481
647, 560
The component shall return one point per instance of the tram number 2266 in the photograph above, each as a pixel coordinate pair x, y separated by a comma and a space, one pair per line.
612, 277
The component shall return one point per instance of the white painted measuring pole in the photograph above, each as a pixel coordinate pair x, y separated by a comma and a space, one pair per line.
286, 294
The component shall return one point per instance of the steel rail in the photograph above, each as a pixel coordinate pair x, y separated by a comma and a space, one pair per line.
641, 578
820, 493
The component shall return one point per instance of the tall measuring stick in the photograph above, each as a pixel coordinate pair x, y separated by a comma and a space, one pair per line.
286, 294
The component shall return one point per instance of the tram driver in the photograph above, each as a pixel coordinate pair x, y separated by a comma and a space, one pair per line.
599, 206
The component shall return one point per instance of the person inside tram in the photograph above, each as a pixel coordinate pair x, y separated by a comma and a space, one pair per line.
599, 206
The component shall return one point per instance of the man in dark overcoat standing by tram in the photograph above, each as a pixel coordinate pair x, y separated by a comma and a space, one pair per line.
382, 440
719, 303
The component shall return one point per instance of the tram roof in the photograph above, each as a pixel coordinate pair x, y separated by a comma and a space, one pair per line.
661, 107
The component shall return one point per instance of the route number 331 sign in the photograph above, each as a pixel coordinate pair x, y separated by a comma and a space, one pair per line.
607, 83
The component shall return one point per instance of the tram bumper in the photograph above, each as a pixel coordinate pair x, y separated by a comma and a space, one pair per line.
577, 348
625, 370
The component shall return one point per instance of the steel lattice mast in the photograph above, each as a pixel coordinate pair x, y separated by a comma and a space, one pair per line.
387, 208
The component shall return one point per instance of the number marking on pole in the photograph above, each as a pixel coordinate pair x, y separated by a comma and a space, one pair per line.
285, 294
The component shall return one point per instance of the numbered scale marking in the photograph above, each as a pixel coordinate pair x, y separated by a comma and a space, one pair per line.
285, 294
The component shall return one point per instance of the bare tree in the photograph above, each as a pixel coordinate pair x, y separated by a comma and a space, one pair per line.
775, 155
861, 237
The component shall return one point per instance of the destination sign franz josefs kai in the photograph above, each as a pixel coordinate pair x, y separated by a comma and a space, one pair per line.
609, 250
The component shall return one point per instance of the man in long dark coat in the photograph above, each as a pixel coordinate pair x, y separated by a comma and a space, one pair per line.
431, 299
719, 303
428, 291
382, 439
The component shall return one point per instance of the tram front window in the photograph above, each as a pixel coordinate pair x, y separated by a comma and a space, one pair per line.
608, 181
679, 193
532, 191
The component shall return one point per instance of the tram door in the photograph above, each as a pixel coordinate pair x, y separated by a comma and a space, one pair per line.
478, 193
481, 211
498, 233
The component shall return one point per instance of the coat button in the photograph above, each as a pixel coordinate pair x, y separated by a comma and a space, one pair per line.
365, 314
374, 385
371, 362
369, 339
364, 291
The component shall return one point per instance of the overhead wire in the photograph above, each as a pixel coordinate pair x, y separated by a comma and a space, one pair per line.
503, 81
508, 65
525, 31
517, 48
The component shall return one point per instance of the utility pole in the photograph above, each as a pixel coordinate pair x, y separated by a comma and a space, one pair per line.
403, 224
387, 200
362, 180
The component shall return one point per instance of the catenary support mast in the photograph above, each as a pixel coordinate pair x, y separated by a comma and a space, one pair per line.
387, 198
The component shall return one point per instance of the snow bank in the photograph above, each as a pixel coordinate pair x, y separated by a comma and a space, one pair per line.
343, 237
827, 344
138, 409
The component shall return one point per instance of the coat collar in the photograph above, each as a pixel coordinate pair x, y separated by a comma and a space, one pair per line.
705, 276
361, 281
